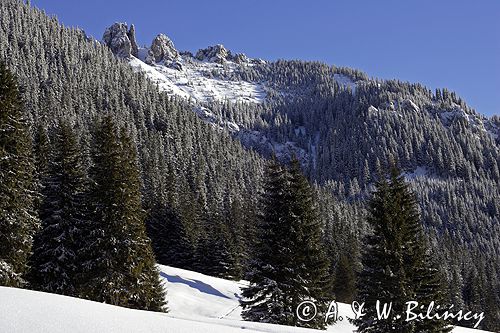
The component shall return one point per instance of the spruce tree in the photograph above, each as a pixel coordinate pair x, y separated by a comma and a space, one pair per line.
17, 218
172, 236
119, 267
215, 253
395, 265
264, 299
424, 277
344, 285
55, 260
289, 266
306, 243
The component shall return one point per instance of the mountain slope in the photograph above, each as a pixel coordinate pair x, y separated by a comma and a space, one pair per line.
343, 126
199, 172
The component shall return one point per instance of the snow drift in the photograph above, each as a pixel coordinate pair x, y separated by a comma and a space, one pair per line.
198, 303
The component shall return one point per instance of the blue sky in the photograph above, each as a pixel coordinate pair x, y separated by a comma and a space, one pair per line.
440, 43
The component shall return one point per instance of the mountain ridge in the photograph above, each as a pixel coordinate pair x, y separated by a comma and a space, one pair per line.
163, 57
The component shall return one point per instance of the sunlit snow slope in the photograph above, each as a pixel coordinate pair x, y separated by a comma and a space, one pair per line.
198, 303
196, 81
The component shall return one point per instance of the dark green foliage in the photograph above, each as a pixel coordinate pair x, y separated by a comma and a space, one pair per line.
41, 151
172, 237
119, 262
215, 253
396, 267
55, 261
344, 283
289, 265
17, 219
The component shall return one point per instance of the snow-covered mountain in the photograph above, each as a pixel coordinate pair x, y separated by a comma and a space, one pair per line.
182, 74
197, 302
192, 78
216, 75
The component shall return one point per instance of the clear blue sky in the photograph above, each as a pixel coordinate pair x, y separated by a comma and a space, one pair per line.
440, 43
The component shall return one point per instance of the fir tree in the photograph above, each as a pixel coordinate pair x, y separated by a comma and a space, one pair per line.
265, 298
215, 254
422, 272
17, 219
120, 267
308, 254
172, 236
55, 260
344, 285
396, 268
41, 152
289, 266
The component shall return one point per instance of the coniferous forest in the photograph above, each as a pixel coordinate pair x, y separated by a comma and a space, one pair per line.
103, 175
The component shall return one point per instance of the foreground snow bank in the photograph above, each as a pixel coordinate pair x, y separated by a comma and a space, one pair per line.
198, 303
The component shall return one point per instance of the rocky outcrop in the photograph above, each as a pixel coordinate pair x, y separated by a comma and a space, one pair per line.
133, 43
410, 105
120, 40
162, 49
240, 58
217, 53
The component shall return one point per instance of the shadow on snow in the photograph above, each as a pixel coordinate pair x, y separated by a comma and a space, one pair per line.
196, 284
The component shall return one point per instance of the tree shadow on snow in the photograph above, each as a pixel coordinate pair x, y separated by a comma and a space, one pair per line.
196, 284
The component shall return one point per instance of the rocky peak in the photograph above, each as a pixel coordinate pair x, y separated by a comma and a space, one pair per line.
162, 49
217, 53
240, 58
120, 40
133, 42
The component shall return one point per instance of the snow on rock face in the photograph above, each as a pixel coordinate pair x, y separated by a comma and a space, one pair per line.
189, 78
121, 41
410, 105
240, 58
283, 151
217, 53
200, 78
163, 49
449, 115
419, 172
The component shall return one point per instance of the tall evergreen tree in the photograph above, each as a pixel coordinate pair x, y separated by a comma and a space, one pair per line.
395, 266
172, 236
17, 218
289, 266
422, 272
55, 260
344, 285
119, 267
41, 152
308, 254
215, 253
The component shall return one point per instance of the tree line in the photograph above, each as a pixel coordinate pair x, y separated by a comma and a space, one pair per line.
86, 226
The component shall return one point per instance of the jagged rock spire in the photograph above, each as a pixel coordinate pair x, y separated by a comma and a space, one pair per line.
120, 40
